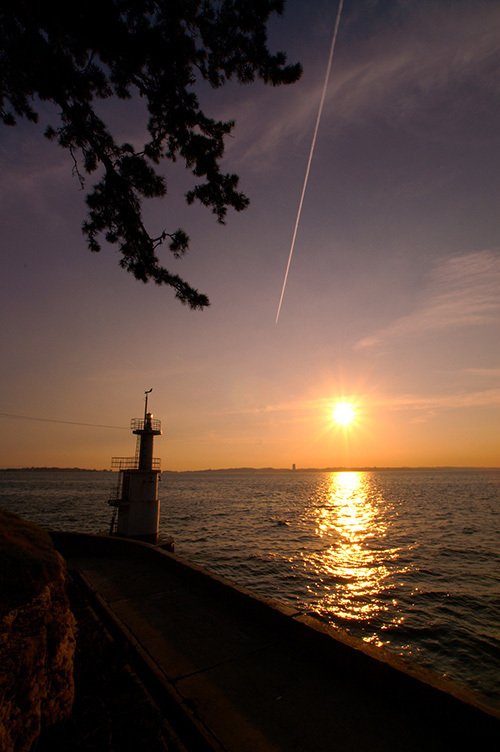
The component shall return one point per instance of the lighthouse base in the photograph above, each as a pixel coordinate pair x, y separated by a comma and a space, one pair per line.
150, 538
139, 506
139, 520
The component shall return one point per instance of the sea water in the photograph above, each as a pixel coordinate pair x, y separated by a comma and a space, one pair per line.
408, 560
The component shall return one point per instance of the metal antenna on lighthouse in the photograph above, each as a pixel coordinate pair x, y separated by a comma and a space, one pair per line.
146, 403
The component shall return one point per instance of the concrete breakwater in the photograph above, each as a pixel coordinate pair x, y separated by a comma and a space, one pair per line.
238, 672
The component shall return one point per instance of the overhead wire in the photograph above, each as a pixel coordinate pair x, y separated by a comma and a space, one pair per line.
66, 422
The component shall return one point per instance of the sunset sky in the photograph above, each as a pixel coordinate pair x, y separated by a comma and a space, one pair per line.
393, 297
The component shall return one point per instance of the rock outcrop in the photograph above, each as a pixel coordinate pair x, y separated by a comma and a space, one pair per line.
37, 638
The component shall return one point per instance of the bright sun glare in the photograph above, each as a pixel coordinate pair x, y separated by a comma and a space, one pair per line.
343, 413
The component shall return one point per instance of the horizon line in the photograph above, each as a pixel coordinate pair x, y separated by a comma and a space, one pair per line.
330, 469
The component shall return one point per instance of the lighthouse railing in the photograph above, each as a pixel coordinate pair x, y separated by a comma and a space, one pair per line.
132, 463
139, 424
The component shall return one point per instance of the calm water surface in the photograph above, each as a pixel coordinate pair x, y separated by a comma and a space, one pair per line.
409, 560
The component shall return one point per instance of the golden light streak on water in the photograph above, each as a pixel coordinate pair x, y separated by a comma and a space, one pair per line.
351, 569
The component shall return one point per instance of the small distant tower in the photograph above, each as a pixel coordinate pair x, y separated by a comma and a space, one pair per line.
136, 500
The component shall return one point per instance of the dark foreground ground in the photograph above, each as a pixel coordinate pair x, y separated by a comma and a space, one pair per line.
112, 712
231, 671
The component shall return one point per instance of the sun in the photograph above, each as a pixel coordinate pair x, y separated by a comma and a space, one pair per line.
343, 413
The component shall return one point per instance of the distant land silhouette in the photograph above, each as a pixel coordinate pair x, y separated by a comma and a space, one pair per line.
242, 470
54, 469
338, 469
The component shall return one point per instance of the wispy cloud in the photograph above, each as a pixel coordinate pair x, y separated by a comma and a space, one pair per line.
438, 63
425, 407
484, 372
309, 409
295, 406
463, 291
403, 69
480, 398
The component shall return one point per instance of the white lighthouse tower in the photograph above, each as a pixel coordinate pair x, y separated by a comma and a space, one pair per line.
136, 500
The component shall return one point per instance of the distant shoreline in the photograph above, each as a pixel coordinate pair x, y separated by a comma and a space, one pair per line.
52, 469
261, 470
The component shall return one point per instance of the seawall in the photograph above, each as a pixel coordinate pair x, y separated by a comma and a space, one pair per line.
245, 671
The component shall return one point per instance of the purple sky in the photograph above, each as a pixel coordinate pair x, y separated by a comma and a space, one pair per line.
393, 295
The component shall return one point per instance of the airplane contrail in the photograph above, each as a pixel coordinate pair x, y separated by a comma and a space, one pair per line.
322, 101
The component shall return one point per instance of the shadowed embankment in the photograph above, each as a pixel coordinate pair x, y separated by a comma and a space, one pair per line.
235, 672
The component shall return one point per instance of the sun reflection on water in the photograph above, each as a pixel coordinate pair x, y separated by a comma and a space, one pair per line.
352, 569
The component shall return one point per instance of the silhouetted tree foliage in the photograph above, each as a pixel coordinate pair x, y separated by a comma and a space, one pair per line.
72, 54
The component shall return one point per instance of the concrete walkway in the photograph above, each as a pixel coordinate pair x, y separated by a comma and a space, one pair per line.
246, 676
